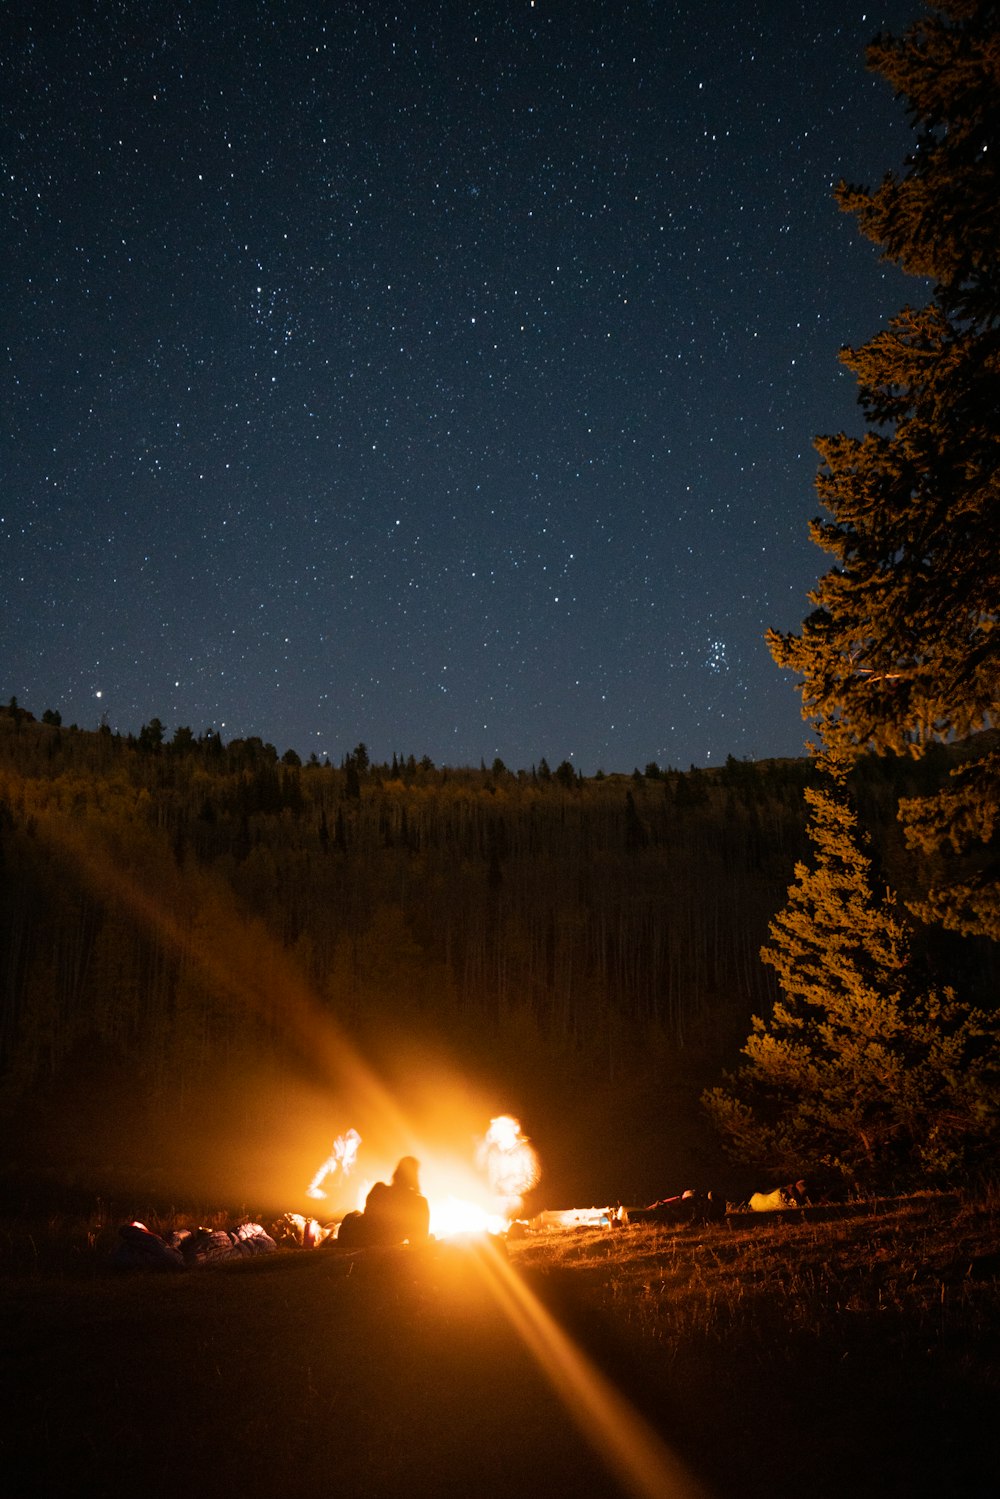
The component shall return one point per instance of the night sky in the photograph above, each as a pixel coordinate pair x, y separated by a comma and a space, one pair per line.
435, 375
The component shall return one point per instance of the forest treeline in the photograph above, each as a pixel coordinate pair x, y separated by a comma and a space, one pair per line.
149, 885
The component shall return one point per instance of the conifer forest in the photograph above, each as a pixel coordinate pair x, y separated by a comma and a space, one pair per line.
182, 917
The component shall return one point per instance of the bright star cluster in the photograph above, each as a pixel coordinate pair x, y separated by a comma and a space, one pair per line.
436, 375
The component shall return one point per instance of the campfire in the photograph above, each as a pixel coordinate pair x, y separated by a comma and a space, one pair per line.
479, 1197
483, 1195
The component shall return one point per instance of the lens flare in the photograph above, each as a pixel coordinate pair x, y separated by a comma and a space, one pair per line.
250, 970
642, 1462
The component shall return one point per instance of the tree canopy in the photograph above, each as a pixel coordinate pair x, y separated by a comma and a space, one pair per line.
861, 1068
864, 1065
901, 650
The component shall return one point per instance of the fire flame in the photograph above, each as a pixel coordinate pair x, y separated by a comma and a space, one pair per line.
452, 1216
507, 1160
344, 1155
462, 1200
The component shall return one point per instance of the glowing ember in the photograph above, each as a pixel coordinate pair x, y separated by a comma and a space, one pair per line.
344, 1155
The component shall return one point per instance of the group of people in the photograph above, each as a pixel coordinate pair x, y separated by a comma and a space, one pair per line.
395, 1212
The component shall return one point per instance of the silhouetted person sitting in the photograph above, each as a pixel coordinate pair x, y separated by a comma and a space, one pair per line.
394, 1211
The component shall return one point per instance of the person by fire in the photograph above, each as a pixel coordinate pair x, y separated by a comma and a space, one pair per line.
394, 1212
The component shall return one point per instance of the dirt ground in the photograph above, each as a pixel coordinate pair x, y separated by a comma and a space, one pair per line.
394, 1373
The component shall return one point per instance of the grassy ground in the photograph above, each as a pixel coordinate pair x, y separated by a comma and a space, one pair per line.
789, 1358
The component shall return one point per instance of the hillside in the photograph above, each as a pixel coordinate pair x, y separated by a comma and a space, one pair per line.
235, 951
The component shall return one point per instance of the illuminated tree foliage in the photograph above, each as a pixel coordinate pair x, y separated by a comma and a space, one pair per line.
859, 1069
902, 649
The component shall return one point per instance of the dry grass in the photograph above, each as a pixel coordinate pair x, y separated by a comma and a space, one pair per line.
929, 1264
861, 1350
779, 1358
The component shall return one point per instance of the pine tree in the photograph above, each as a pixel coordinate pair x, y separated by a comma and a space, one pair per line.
903, 648
859, 1069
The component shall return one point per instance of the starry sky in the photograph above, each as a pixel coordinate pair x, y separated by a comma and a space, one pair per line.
437, 375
